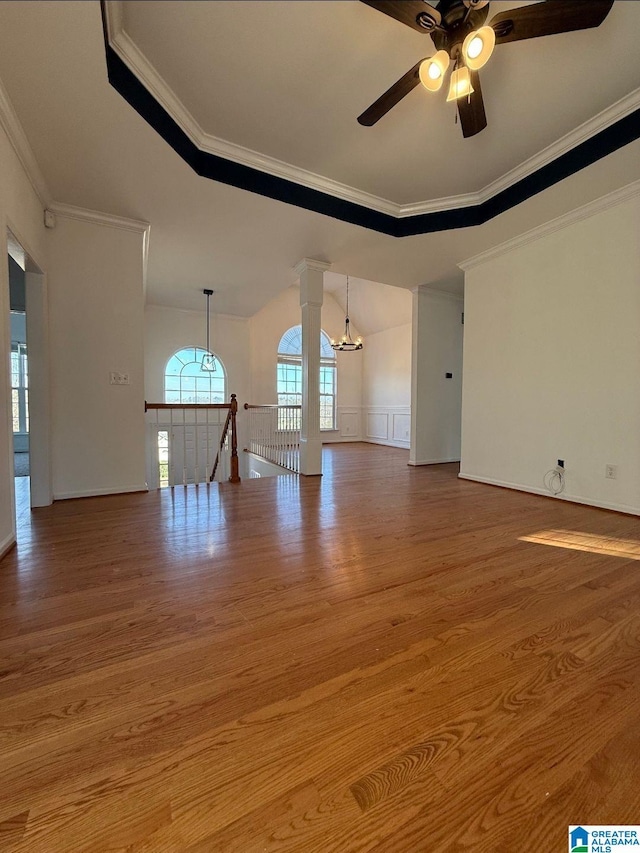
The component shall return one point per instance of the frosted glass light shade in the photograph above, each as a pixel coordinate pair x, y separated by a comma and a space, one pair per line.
478, 47
460, 84
432, 71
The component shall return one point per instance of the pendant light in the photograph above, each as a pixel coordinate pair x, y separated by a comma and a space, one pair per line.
208, 364
346, 344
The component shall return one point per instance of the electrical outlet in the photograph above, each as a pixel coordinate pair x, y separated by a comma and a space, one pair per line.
611, 472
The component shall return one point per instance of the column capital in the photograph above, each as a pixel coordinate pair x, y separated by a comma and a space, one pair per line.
310, 264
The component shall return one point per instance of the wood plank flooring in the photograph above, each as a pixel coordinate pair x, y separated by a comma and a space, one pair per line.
383, 659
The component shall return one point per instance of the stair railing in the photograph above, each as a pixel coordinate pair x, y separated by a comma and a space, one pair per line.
274, 434
181, 440
234, 477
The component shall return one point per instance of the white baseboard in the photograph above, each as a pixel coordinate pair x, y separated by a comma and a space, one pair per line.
533, 490
96, 493
387, 442
434, 461
7, 544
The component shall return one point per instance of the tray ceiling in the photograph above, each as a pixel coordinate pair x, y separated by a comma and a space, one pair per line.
276, 87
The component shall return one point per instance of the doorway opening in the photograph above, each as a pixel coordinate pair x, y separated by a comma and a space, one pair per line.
29, 381
19, 369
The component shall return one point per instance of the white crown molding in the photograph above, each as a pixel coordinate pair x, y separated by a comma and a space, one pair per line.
70, 211
113, 17
599, 205
162, 92
18, 139
131, 55
437, 205
232, 317
619, 110
438, 294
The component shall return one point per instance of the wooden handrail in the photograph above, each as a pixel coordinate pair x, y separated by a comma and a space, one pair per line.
148, 406
271, 406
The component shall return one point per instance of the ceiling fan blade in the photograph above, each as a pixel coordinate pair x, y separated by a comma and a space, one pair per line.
546, 19
473, 118
391, 97
408, 12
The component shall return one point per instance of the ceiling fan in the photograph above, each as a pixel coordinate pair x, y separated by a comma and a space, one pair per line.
458, 30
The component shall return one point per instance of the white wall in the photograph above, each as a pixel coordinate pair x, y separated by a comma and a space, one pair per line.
168, 329
436, 399
386, 385
552, 359
268, 326
96, 320
21, 211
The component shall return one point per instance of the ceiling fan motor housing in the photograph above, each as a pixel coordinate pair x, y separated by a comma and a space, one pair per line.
458, 20
427, 21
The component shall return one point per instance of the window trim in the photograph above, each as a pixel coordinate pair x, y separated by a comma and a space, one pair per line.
326, 361
198, 353
19, 348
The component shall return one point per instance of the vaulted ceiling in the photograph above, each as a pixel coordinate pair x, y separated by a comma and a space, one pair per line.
272, 90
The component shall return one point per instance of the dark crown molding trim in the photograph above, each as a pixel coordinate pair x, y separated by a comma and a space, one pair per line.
244, 177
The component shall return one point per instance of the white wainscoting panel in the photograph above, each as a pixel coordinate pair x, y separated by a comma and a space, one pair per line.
348, 426
349, 423
388, 425
378, 426
401, 426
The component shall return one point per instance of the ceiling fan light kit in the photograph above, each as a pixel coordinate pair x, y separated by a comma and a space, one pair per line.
432, 71
459, 32
460, 86
478, 47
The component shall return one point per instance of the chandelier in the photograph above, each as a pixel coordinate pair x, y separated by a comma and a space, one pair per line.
208, 364
346, 343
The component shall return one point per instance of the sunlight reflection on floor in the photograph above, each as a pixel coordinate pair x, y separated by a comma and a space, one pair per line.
628, 549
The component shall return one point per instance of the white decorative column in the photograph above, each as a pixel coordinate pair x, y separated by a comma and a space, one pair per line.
311, 295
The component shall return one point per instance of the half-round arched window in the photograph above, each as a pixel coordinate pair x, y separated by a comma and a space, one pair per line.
289, 375
186, 382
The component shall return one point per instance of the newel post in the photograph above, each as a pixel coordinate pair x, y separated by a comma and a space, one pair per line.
233, 409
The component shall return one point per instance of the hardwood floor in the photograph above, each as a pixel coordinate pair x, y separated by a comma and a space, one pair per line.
382, 659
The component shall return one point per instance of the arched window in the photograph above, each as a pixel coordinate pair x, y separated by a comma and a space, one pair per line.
186, 382
289, 376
